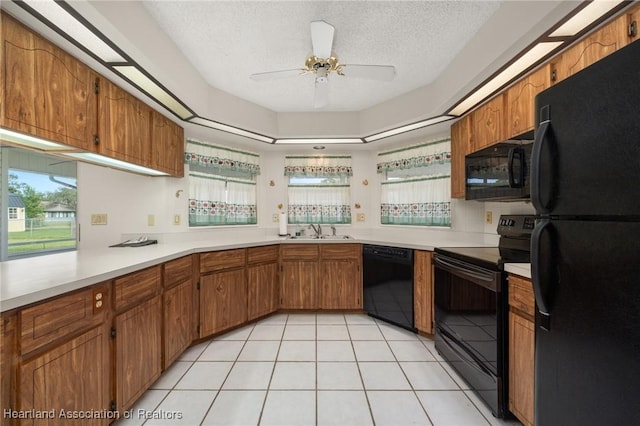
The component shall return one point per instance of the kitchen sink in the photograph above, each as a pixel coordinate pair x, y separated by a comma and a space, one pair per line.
321, 237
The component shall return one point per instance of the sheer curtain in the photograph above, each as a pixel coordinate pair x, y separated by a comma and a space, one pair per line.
319, 190
416, 189
222, 185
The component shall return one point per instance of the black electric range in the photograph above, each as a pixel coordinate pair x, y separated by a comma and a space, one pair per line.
513, 247
471, 302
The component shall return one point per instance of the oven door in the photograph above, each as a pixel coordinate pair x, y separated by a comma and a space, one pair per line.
469, 318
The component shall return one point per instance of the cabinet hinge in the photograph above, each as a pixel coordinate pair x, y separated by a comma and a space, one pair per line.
113, 332
96, 139
96, 87
554, 75
198, 329
112, 405
632, 31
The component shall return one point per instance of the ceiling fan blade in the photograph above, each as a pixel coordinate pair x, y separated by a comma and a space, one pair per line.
372, 72
322, 39
273, 75
321, 95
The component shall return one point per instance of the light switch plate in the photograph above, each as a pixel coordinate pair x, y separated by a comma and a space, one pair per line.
99, 219
176, 219
488, 217
151, 220
276, 218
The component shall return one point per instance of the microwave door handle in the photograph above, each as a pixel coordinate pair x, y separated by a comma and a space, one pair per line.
516, 154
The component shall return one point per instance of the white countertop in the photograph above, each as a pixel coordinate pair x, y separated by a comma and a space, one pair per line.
30, 280
522, 269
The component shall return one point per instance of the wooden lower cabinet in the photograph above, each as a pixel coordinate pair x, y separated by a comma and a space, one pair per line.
521, 349
263, 290
340, 284
177, 313
298, 282
137, 351
73, 377
223, 301
423, 291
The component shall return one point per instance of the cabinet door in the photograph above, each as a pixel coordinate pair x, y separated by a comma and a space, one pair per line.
72, 377
461, 145
178, 309
298, 284
591, 49
223, 301
46, 92
521, 368
138, 351
488, 123
262, 283
633, 21
340, 284
124, 125
8, 351
520, 101
423, 291
167, 148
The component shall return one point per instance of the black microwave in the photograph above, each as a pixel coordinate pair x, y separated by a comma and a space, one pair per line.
499, 173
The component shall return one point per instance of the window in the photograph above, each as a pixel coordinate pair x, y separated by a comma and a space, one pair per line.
222, 185
319, 190
37, 188
416, 185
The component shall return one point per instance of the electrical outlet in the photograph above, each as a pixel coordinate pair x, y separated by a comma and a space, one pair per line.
176, 219
488, 217
151, 220
99, 219
276, 218
360, 217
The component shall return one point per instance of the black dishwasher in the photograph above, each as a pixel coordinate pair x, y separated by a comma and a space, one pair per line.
388, 284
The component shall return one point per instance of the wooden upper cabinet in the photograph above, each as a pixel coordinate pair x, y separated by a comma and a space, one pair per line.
520, 99
167, 145
488, 123
46, 92
124, 125
633, 22
591, 49
461, 145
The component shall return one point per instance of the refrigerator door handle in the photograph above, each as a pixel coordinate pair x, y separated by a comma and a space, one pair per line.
516, 154
541, 274
541, 205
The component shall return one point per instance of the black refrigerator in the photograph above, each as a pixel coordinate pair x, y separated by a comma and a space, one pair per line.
585, 258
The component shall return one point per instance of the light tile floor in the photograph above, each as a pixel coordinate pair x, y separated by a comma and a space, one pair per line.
308, 369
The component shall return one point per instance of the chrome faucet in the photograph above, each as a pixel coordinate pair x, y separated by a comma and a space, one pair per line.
333, 230
317, 230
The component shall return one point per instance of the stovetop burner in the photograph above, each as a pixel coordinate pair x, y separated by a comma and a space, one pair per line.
514, 246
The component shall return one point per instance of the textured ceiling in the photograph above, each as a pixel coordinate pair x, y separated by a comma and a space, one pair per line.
227, 41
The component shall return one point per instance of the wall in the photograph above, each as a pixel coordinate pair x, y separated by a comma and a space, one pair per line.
128, 199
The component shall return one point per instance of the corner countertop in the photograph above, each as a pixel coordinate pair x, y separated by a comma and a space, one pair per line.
30, 280
522, 269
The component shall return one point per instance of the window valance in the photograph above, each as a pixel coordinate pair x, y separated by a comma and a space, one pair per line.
417, 156
204, 157
318, 166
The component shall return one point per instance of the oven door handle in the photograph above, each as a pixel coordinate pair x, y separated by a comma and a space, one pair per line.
465, 357
483, 277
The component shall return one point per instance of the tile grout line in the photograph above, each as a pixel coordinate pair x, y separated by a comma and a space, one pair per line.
266, 395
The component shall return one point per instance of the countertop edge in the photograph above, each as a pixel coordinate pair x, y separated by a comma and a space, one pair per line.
24, 293
522, 269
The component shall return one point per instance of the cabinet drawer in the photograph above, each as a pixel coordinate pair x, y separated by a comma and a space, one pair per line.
299, 251
178, 271
131, 289
340, 251
262, 254
521, 295
217, 260
53, 320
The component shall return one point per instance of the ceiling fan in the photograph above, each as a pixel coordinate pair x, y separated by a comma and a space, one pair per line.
322, 63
